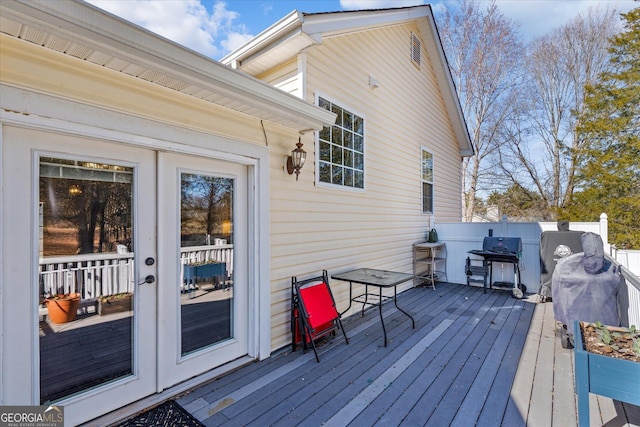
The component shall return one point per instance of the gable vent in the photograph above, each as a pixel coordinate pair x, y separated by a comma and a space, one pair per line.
416, 49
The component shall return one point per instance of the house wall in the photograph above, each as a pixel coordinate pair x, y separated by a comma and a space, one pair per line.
315, 227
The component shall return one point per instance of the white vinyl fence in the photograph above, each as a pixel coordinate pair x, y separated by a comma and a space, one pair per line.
463, 237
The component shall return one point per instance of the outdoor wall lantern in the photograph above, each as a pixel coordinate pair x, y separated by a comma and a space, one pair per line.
296, 160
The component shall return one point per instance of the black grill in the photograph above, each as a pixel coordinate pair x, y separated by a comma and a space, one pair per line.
501, 250
502, 245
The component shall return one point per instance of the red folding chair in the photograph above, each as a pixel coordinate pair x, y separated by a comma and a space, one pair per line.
314, 314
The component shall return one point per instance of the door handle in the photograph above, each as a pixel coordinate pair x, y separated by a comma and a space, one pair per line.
149, 279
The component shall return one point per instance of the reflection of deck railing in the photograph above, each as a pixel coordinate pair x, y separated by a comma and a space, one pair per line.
92, 275
95, 275
205, 254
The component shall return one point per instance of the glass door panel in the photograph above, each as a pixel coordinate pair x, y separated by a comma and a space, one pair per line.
203, 284
77, 223
206, 258
86, 274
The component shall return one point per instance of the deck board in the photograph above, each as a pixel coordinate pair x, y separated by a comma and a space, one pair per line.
520, 396
541, 408
469, 338
496, 403
433, 360
563, 384
489, 386
473, 359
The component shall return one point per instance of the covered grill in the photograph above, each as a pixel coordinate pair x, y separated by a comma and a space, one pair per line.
502, 250
585, 287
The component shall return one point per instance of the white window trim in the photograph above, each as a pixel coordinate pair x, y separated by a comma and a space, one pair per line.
433, 183
344, 106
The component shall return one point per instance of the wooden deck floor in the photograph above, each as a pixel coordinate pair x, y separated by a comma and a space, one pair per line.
473, 359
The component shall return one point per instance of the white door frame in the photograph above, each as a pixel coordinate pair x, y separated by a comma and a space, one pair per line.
21, 229
83, 121
173, 366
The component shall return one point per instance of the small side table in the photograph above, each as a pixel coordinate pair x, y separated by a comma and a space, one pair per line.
429, 263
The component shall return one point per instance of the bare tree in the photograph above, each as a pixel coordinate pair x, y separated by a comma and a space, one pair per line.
542, 153
485, 54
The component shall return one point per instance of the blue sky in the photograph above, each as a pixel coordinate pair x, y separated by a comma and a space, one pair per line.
214, 28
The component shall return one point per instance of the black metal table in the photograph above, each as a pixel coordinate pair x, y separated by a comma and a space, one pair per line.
377, 278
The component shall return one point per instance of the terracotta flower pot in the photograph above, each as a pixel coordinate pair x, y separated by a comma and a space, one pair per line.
63, 309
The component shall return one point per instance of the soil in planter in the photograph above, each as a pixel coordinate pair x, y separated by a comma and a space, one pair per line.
115, 304
594, 345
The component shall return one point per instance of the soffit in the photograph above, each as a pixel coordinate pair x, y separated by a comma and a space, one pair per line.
90, 34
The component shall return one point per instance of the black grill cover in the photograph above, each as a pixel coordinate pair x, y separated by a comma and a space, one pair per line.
585, 286
555, 245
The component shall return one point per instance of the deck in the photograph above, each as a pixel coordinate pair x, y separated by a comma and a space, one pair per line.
473, 359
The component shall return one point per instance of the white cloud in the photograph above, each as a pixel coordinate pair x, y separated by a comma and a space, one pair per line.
186, 22
267, 8
377, 4
537, 18
234, 41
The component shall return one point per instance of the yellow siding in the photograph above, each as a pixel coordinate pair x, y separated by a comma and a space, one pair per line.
314, 227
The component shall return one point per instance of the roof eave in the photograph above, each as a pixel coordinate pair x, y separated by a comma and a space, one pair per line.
452, 102
267, 37
104, 31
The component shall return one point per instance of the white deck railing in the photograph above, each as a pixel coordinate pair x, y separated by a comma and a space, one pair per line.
630, 299
92, 275
95, 275
204, 254
630, 259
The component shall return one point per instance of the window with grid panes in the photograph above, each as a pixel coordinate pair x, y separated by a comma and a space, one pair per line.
427, 181
341, 148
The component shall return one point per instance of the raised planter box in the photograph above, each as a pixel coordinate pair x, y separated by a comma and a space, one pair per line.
193, 273
617, 379
115, 304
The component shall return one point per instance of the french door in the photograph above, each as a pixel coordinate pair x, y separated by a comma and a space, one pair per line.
203, 303
152, 245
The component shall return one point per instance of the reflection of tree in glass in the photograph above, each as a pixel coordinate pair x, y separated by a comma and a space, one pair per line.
206, 209
96, 214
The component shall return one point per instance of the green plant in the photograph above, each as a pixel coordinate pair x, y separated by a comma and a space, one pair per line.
613, 339
115, 296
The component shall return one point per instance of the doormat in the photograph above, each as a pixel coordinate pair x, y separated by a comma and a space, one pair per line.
167, 414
